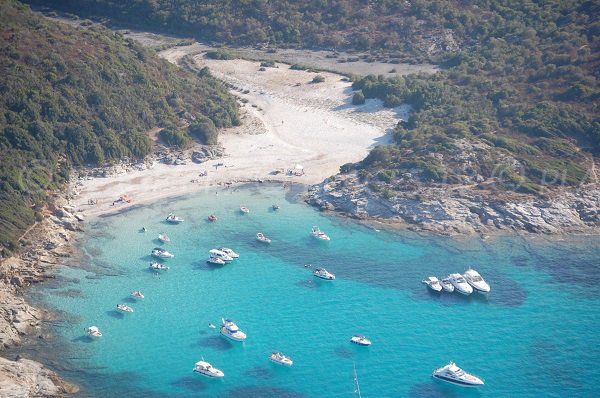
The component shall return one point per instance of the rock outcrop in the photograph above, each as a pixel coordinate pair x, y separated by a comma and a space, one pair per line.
25, 378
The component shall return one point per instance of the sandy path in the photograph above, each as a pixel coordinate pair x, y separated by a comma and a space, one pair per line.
287, 121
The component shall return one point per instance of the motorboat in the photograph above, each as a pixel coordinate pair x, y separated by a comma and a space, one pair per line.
221, 254
158, 266
164, 238
455, 375
460, 284
93, 331
275, 207
230, 329
447, 285
433, 283
262, 238
124, 308
360, 340
244, 209
229, 252
206, 369
323, 274
161, 253
317, 233
173, 219
212, 217
137, 294
281, 359
474, 279
215, 260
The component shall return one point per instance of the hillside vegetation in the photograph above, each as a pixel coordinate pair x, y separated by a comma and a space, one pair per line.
71, 97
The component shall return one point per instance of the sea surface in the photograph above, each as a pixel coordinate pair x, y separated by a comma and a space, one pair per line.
536, 334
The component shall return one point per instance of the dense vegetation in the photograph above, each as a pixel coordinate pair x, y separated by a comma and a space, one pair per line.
72, 97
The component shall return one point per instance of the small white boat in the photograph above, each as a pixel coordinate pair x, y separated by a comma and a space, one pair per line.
212, 218
158, 267
124, 308
221, 254
433, 283
93, 331
244, 209
360, 340
211, 326
455, 375
230, 329
173, 219
137, 294
317, 233
215, 260
447, 285
206, 369
275, 206
474, 279
281, 359
262, 238
161, 253
323, 274
229, 252
164, 238
460, 284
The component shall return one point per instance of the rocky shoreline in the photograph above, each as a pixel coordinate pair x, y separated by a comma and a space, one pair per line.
453, 210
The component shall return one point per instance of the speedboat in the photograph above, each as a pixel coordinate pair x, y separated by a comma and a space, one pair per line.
137, 294
93, 331
433, 283
164, 238
317, 233
228, 251
360, 340
206, 369
455, 375
244, 209
447, 285
275, 207
221, 254
158, 266
215, 260
212, 217
474, 279
281, 359
173, 219
161, 253
323, 274
124, 308
262, 238
229, 329
460, 284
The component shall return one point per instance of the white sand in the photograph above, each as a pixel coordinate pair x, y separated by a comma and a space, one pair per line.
287, 121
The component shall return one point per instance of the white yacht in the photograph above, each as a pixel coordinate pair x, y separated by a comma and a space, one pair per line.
164, 237
317, 233
158, 266
228, 251
173, 219
281, 359
244, 209
323, 274
447, 285
221, 254
230, 329
206, 369
93, 331
360, 340
460, 284
215, 260
262, 238
124, 308
455, 375
137, 294
474, 279
161, 253
433, 283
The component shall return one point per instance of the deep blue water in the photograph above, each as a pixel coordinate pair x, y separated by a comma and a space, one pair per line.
536, 333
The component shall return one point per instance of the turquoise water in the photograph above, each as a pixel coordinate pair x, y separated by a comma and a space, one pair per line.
535, 335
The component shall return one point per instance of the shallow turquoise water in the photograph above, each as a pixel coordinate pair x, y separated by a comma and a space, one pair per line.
534, 335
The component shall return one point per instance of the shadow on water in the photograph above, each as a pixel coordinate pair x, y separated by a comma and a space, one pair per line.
259, 372
309, 283
83, 339
436, 389
261, 392
344, 352
215, 342
189, 383
115, 314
